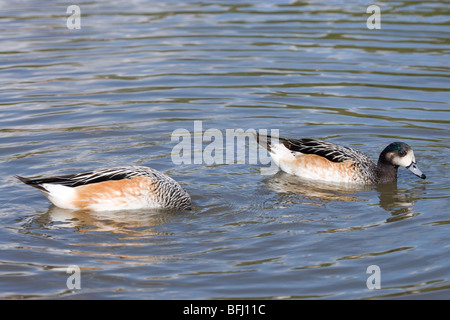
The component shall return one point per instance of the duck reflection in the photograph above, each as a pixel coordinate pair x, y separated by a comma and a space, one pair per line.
398, 201
292, 189
315, 192
135, 223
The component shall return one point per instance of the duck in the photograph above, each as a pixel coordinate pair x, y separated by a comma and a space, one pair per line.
315, 159
110, 189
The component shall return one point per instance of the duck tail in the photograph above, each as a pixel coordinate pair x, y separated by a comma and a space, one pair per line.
35, 183
264, 141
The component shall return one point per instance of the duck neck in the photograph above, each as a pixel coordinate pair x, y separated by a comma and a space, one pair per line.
386, 172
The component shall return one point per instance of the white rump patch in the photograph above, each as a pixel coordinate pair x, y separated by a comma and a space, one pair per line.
280, 154
61, 196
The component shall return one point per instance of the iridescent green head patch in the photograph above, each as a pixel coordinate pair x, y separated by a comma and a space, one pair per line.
395, 146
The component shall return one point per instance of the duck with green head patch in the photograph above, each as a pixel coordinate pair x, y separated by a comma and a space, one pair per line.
326, 161
397, 154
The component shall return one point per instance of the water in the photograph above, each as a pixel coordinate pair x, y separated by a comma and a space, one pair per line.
114, 91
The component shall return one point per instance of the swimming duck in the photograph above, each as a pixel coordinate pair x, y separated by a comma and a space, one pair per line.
121, 188
326, 161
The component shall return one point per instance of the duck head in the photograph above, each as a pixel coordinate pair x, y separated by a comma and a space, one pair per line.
399, 154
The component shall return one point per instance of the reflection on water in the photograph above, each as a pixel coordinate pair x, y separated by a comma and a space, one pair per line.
296, 190
134, 223
399, 201
315, 192
126, 233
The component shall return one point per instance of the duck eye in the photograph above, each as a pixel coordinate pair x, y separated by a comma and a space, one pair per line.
402, 153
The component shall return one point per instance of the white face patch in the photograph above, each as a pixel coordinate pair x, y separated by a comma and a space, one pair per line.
404, 161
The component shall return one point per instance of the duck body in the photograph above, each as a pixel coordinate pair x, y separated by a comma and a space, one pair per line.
120, 188
325, 161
